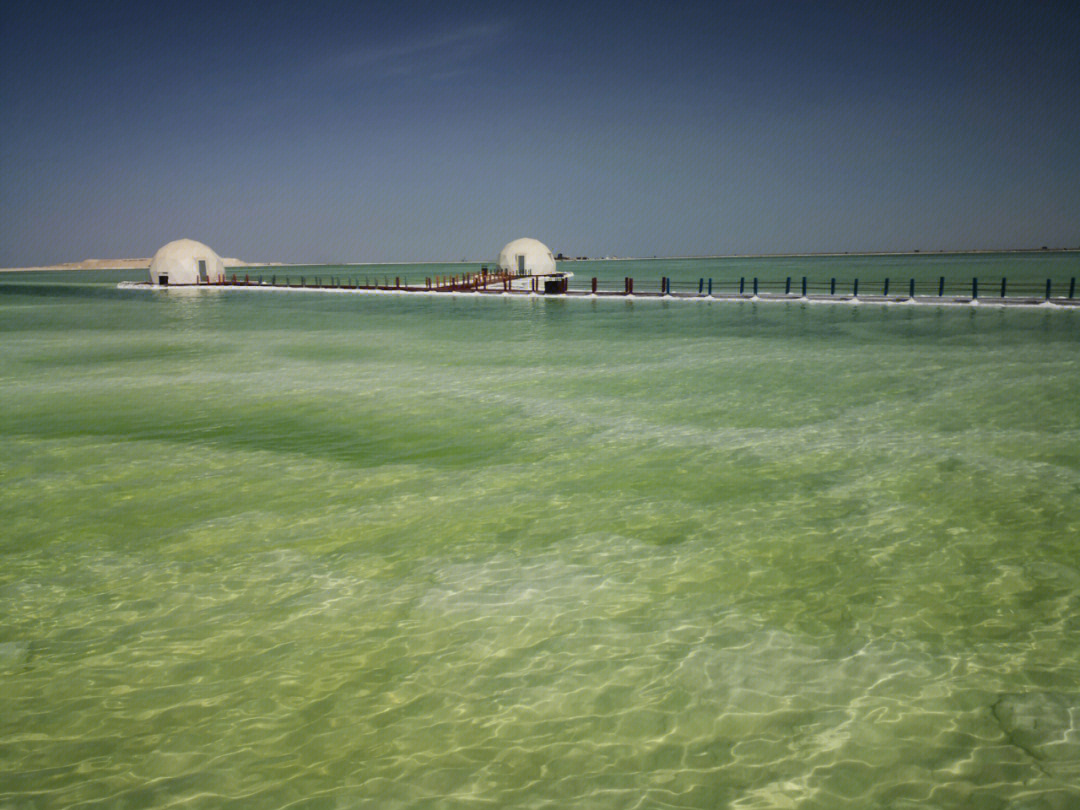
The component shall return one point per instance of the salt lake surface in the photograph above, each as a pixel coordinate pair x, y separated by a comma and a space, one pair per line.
386, 551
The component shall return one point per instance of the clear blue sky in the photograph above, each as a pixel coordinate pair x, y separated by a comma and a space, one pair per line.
412, 131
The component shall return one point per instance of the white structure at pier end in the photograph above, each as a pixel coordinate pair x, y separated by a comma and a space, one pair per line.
526, 257
186, 261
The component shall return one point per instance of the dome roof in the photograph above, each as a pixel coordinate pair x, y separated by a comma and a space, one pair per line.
529, 256
185, 261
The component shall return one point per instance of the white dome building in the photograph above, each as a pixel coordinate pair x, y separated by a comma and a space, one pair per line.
185, 261
526, 257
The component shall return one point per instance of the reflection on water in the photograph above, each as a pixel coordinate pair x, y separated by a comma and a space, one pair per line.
338, 551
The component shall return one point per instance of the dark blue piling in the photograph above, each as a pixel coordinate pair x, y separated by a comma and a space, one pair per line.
911, 289
710, 287
701, 286
742, 285
855, 288
885, 289
787, 286
1003, 287
974, 288
804, 286
1048, 289
755, 285
941, 287
1072, 286
832, 286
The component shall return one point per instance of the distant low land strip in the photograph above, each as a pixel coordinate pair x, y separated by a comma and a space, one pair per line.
120, 264
144, 264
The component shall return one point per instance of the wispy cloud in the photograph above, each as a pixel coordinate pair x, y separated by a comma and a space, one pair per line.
434, 55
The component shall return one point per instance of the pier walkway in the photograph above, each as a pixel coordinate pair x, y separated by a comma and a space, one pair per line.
997, 293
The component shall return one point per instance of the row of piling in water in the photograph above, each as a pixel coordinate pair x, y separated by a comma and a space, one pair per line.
744, 287
913, 288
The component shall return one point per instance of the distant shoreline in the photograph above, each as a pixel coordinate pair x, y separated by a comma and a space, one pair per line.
117, 264
144, 264
835, 254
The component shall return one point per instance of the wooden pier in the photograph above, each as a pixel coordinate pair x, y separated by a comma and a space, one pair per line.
910, 291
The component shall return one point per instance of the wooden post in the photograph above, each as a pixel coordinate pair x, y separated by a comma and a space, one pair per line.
594, 285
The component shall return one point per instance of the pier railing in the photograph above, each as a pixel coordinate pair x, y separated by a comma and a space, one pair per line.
795, 288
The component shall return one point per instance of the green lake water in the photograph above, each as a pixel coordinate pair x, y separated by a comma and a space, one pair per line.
315, 550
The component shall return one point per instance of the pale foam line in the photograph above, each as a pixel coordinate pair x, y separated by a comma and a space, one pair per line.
849, 301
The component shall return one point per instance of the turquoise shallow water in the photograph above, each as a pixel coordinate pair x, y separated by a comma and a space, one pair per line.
308, 550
